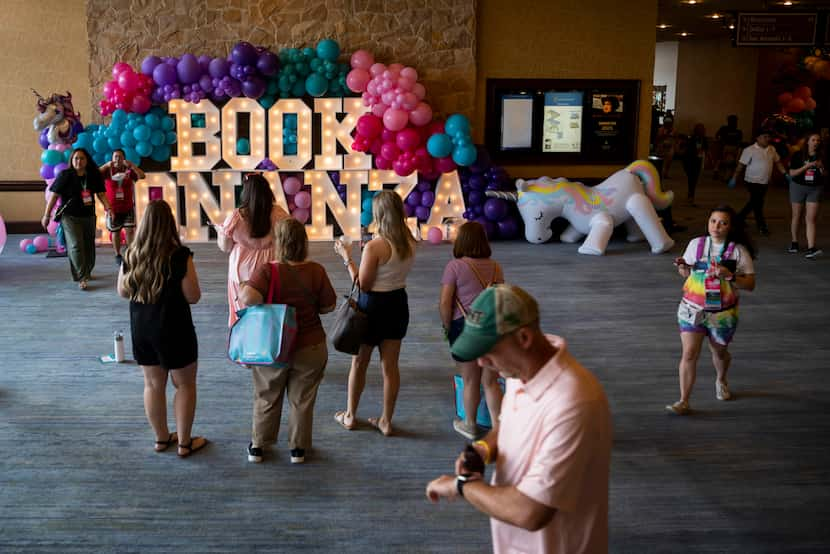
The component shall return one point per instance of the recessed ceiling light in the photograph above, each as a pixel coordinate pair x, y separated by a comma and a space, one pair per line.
691, 2
731, 26
787, 3
684, 34
714, 16
663, 26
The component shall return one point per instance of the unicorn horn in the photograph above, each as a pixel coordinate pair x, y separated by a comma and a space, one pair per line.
512, 196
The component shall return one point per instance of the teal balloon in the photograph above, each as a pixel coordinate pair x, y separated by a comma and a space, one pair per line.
51, 157
316, 85
142, 133
127, 139
366, 218
119, 116
144, 148
170, 137
114, 142
67, 155
243, 146
464, 155
83, 140
309, 52
167, 123
160, 153
267, 101
457, 123
439, 145
298, 89
100, 144
197, 120
272, 87
366, 205
132, 155
157, 137
152, 120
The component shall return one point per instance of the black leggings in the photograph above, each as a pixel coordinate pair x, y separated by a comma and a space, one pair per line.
693, 175
757, 194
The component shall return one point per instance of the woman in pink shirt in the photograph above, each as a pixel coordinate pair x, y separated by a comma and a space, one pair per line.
464, 278
248, 234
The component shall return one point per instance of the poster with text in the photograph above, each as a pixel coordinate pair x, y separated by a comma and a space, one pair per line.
562, 125
608, 134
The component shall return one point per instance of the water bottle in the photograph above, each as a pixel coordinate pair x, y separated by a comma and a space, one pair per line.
118, 346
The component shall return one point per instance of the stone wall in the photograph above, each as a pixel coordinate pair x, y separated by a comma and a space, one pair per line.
437, 37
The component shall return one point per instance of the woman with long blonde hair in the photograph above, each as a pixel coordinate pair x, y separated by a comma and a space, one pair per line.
159, 279
384, 266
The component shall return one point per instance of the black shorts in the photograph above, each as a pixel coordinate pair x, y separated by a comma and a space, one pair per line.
167, 353
388, 315
118, 221
456, 326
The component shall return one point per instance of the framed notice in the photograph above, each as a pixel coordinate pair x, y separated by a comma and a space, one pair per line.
578, 121
776, 29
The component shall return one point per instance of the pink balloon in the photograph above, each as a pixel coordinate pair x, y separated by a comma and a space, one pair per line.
390, 151
419, 90
3, 235
408, 139
388, 136
435, 236
421, 115
376, 147
403, 166
371, 87
140, 104
410, 101
110, 88
445, 165
409, 73
128, 80
377, 69
41, 242
396, 68
395, 120
379, 109
302, 199
24, 243
49, 182
63, 147
406, 84
362, 59
301, 214
292, 185
388, 97
369, 126
357, 79
119, 68
382, 163
52, 228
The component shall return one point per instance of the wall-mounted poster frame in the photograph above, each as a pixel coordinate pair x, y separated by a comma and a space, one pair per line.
568, 121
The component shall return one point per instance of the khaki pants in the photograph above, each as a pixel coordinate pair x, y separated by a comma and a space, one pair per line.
301, 381
79, 233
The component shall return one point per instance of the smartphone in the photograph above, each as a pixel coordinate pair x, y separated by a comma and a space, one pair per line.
472, 460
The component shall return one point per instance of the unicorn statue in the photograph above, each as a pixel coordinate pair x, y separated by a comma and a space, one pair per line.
57, 114
628, 196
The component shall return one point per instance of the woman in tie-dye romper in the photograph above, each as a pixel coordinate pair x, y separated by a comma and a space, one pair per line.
715, 266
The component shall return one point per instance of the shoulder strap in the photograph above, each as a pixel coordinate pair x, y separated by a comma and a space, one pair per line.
478, 275
273, 284
701, 244
728, 252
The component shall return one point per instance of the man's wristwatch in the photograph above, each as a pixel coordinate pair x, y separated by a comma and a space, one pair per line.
463, 479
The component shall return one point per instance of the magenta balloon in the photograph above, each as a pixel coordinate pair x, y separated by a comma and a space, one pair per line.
128, 81
376, 146
445, 165
369, 126
119, 68
395, 120
408, 139
357, 80
302, 199
292, 185
110, 87
377, 69
165, 74
382, 163
362, 59
140, 104
434, 235
301, 214
390, 151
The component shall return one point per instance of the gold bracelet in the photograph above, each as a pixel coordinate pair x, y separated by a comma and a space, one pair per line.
486, 450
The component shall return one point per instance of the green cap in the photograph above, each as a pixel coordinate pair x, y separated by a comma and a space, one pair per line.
498, 310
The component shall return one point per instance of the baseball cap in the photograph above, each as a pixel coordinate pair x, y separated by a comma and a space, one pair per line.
498, 310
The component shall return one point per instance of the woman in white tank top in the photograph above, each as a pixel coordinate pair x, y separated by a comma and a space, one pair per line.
384, 266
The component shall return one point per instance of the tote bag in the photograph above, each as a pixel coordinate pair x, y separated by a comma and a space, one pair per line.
264, 334
350, 325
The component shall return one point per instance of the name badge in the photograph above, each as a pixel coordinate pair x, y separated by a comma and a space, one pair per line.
119, 194
86, 196
711, 288
810, 175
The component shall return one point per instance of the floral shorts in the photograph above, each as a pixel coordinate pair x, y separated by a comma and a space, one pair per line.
718, 326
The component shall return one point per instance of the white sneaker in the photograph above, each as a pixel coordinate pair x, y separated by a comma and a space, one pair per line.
722, 391
462, 429
679, 408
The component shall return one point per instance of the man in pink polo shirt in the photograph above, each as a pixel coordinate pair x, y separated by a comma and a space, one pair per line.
552, 446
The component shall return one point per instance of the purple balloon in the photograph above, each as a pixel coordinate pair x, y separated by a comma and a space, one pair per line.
509, 228
475, 198
43, 139
206, 83
414, 198
219, 68
478, 209
268, 63
335, 178
244, 53
424, 186
427, 198
165, 74
47, 171
469, 214
188, 69
422, 213
495, 209
204, 62
253, 87
410, 211
149, 64
58, 168
476, 182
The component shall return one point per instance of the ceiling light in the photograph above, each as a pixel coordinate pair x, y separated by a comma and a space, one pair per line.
663, 26
787, 3
690, 2
714, 16
731, 26
684, 34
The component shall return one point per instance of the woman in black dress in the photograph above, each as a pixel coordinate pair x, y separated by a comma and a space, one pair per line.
159, 278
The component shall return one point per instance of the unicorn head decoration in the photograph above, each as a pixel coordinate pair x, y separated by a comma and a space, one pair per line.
628, 196
57, 114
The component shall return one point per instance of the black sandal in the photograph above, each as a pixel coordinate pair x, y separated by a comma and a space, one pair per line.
161, 446
190, 448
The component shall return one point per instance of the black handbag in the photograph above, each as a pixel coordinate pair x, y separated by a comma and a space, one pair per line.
350, 324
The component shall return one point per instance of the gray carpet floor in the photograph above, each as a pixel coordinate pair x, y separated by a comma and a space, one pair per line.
78, 474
